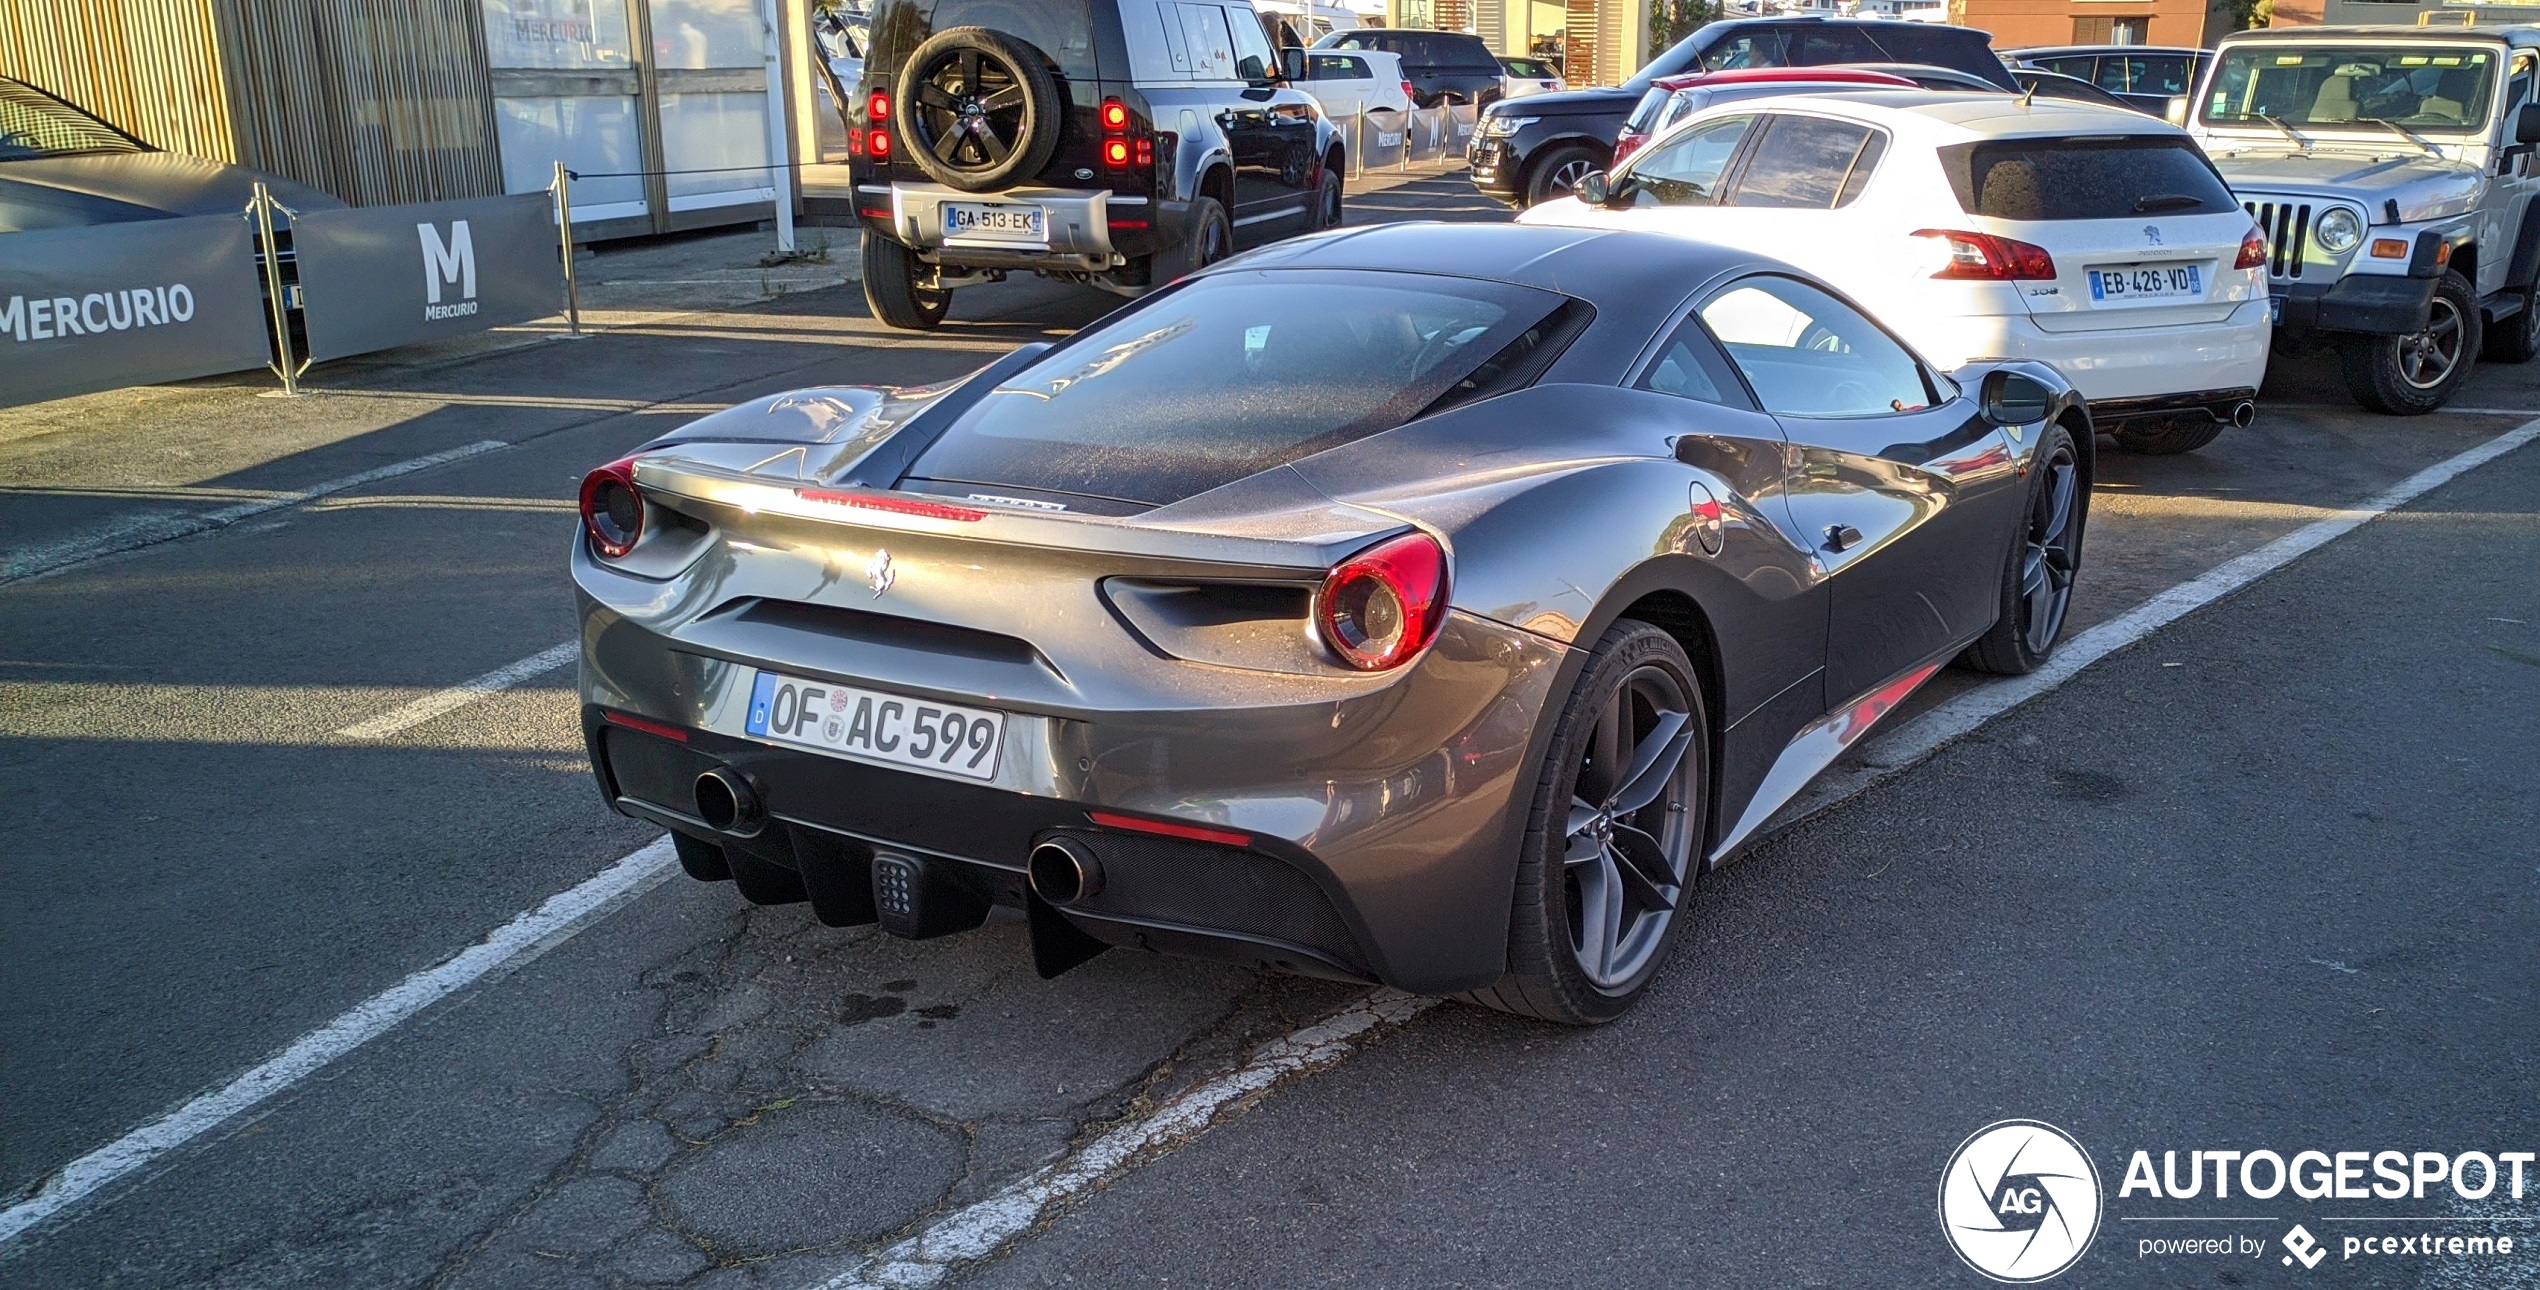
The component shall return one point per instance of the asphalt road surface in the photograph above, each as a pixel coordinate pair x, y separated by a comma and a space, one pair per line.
2265, 879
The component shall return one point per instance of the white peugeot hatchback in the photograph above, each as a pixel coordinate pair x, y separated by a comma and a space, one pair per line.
1985, 226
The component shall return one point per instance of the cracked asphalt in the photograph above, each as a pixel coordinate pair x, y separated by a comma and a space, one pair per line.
2109, 910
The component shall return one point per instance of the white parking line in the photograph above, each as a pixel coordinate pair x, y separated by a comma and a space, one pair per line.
980, 1228
461, 695
516, 942
134, 532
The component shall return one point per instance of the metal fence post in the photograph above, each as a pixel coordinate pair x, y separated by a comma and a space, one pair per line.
564, 237
261, 205
1358, 145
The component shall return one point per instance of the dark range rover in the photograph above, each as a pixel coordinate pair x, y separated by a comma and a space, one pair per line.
1117, 143
1537, 147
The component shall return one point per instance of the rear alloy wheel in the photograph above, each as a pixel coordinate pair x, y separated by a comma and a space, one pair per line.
1210, 238
1558, 175
1327, 201
2414, 374
891, 290
1614, 842
978, 109
2037, 584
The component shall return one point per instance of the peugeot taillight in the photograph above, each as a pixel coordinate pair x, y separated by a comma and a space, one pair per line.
2253, 252
1382, 606
1988, 257
613, 508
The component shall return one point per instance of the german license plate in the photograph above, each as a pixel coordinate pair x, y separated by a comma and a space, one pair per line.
981, 222
2124, 284
869, 725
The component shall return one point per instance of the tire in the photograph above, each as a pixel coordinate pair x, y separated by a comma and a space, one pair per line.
1001, 87
2185, 432
1557, 173
1208, 238
891, 291
2407, 376
2516, 339
1327, 201
1565, 874
2037, 578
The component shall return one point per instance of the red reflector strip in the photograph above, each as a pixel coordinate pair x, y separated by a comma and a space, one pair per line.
671, 733
1128, 223
892, 502
1195, 832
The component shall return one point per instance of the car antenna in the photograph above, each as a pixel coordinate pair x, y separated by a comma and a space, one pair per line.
2028, 97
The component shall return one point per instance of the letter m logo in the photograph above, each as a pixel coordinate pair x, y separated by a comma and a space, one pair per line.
447, 262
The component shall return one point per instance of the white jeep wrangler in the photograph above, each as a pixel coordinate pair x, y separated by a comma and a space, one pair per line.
2390, 170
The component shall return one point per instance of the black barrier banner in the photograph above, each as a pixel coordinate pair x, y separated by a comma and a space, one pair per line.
385, 276
136, 303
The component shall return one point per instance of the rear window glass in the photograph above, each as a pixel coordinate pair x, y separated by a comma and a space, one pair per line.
1234, 374
1062, 29
35, 125
2060, 179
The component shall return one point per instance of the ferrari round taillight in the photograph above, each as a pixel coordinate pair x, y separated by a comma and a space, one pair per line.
1383, 605
613, 508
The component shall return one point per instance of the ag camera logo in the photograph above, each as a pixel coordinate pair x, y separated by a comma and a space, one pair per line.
2020, 1201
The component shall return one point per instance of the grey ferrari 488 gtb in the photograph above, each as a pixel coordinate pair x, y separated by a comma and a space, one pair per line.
1423, 604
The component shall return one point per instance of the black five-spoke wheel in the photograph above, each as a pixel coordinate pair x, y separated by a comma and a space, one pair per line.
2047, 561
979, 109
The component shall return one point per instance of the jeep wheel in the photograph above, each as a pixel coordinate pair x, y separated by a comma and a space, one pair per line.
2516, 339
2415, 374
891, 290
1558, 175
978, 109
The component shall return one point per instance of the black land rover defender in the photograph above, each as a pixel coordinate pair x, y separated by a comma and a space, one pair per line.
1117, 143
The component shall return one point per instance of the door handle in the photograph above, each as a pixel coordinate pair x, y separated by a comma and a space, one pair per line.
1842, 537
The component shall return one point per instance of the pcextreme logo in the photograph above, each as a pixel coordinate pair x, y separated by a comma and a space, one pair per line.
2020, 1200
448, 263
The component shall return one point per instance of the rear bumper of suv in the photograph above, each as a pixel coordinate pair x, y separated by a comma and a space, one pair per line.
1081, 236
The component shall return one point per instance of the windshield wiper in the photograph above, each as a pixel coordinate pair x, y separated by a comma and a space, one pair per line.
2165, 202
2288, 130
2404, 133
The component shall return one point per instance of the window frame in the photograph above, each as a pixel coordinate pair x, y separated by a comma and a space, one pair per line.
1730, 170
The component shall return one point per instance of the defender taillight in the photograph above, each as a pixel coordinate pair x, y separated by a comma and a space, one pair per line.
1987, 257
1380, 607
1116, 149
613, 508
877, 107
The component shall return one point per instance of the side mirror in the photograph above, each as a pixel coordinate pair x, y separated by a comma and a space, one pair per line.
2175, 111
1292, 63
2013, 399
2527, 123
1596, 189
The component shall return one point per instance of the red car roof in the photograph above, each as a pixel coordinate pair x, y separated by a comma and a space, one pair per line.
1754, 75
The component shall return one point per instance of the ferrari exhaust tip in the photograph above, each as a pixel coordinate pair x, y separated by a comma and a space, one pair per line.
1063, 871
727, 803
